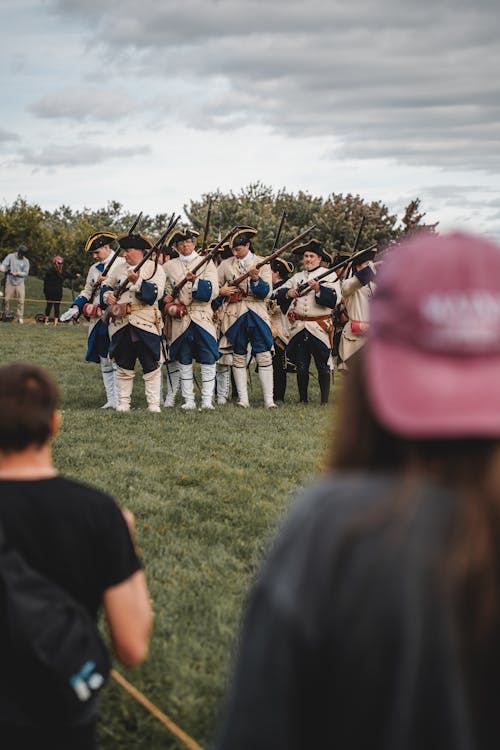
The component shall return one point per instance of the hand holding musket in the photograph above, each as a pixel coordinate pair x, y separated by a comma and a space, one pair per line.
253, 272
308, 286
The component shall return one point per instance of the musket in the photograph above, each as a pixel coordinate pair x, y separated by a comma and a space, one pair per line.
115, 245
304, 288
124, 284
211, 254
278, 233
274, 255
356, 242
204, 242
358, 236
134, 225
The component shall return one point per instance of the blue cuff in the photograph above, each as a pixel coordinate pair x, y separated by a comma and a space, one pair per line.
365, 275
260, 288
326, 297
147, 293
203, 291
79, 302
217, 302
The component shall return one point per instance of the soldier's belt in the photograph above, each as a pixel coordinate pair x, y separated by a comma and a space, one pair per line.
312, 318
237, 296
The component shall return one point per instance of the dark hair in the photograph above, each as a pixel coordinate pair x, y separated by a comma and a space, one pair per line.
470, 467
28, 398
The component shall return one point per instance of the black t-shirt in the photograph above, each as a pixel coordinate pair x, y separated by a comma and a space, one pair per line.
73, 534
349, 639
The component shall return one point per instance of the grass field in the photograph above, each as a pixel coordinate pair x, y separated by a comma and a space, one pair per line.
208, 489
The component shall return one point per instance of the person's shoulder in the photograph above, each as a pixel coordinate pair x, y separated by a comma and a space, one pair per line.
320, 519
81, 492
340, 496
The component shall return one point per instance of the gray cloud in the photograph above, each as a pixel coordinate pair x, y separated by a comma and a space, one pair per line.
394, 79
84, 104
7, 136
76, 155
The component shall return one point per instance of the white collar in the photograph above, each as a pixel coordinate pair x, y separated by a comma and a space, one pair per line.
188, 258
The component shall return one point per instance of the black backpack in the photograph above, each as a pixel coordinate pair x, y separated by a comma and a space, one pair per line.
54, 649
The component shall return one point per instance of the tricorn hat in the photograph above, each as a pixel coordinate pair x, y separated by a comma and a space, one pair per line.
223, 252
180, 235
22, 249
98, 240
312, 246
283, 267
242, 236
135, 241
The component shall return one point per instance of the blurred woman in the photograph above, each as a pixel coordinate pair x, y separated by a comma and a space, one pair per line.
52, 288
375, 623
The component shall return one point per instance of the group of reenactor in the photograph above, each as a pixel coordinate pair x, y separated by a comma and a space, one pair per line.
221, 307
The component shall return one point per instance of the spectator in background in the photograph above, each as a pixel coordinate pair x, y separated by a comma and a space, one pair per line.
77, 537
53, 288
376, 621
17, 267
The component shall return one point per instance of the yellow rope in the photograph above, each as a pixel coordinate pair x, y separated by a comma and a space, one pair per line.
186, 740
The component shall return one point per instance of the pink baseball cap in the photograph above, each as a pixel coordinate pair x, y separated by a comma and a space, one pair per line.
432, 359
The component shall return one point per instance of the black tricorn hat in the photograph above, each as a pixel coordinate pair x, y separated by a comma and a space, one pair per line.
242, 236
223, 252
283, 267
182, 234
364, 256
340, 257
135, 241
99, 239
312, 246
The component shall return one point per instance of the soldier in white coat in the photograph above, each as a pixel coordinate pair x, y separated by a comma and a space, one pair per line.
245, 318
311, 333
190, 329
357, 291
281, 270
135, 324
102, 246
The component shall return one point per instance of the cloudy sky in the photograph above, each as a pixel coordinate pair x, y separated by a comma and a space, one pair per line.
152, 103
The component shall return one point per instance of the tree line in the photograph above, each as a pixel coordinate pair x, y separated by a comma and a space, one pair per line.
337, 218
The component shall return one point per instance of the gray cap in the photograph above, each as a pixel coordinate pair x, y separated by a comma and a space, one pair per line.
22, 249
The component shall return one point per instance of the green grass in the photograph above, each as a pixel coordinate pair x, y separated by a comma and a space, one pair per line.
208, 490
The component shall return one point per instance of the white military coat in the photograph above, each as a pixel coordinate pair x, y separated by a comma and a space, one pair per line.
140, 315
308, 307
356, 299
198, 311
